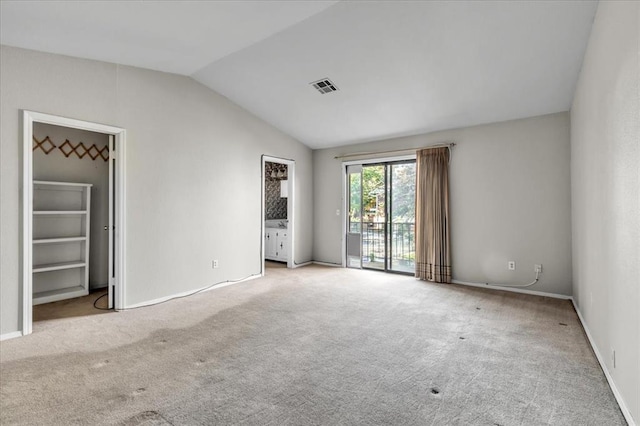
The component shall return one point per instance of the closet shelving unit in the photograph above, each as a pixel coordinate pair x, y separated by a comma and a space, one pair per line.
61, 230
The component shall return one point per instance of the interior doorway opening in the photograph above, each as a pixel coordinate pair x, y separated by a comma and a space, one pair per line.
278, 212
73, 218
380, 216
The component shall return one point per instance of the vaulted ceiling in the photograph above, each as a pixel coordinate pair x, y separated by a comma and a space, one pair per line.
400, 68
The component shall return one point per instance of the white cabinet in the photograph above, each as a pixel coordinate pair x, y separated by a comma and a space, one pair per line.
281, 244
61, 216
276, 244
270, 243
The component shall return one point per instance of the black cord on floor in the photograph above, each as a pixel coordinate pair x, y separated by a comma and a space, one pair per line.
96, 301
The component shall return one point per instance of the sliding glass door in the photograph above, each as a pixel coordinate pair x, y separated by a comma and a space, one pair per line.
381, 219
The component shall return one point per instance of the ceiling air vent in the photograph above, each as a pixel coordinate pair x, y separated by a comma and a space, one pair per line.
324, 86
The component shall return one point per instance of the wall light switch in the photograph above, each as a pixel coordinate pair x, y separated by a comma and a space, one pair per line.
338, 212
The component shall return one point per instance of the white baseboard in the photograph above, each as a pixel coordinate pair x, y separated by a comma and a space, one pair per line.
514, 290
188, 293
11, 335
623, 407
300, 265
326, 264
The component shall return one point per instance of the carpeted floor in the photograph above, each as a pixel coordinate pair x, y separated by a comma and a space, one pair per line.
314, 345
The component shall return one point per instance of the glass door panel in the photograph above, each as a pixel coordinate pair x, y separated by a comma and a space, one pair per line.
354, 217
402, 190
374, 216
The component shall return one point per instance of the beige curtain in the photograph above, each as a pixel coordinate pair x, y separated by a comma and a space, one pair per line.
433, 247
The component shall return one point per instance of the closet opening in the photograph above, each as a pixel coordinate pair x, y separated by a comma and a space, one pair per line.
277, 212
73, 221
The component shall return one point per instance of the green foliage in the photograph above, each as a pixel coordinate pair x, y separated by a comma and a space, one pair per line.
403, 202
354, 194
402, 180
373, 190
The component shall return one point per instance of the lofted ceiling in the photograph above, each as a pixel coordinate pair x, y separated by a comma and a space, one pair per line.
400, 68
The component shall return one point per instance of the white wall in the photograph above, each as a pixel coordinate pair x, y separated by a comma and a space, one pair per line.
509, 199
605, 193
193, 171
56, 167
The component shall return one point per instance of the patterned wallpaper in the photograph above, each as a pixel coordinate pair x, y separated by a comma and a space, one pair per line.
275, 207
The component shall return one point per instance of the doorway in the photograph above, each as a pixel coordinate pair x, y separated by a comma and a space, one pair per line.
380, 228
278, 212
57, 227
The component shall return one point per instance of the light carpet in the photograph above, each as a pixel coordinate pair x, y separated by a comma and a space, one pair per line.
314, 345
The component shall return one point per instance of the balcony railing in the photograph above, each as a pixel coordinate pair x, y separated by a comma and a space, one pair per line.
401, 244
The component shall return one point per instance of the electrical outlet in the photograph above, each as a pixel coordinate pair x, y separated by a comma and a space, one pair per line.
214, 264
537, 268
511, 265
338, 212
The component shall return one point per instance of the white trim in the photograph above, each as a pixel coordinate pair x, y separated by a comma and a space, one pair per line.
191, 292
299, 265
27, 222
28, 119
11, 335
513, 290
623, 407
121, 222
57, 120
343, 217
291, 216
111, 279
291, 210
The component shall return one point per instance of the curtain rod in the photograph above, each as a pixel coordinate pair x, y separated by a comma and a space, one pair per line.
396, 151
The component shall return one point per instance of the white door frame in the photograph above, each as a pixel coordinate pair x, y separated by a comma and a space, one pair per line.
291, 173
28, 119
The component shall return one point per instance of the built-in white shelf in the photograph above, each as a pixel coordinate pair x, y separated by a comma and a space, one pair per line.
59, 294
63, 216
58, 266
60, 212
58, 240
52, 183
